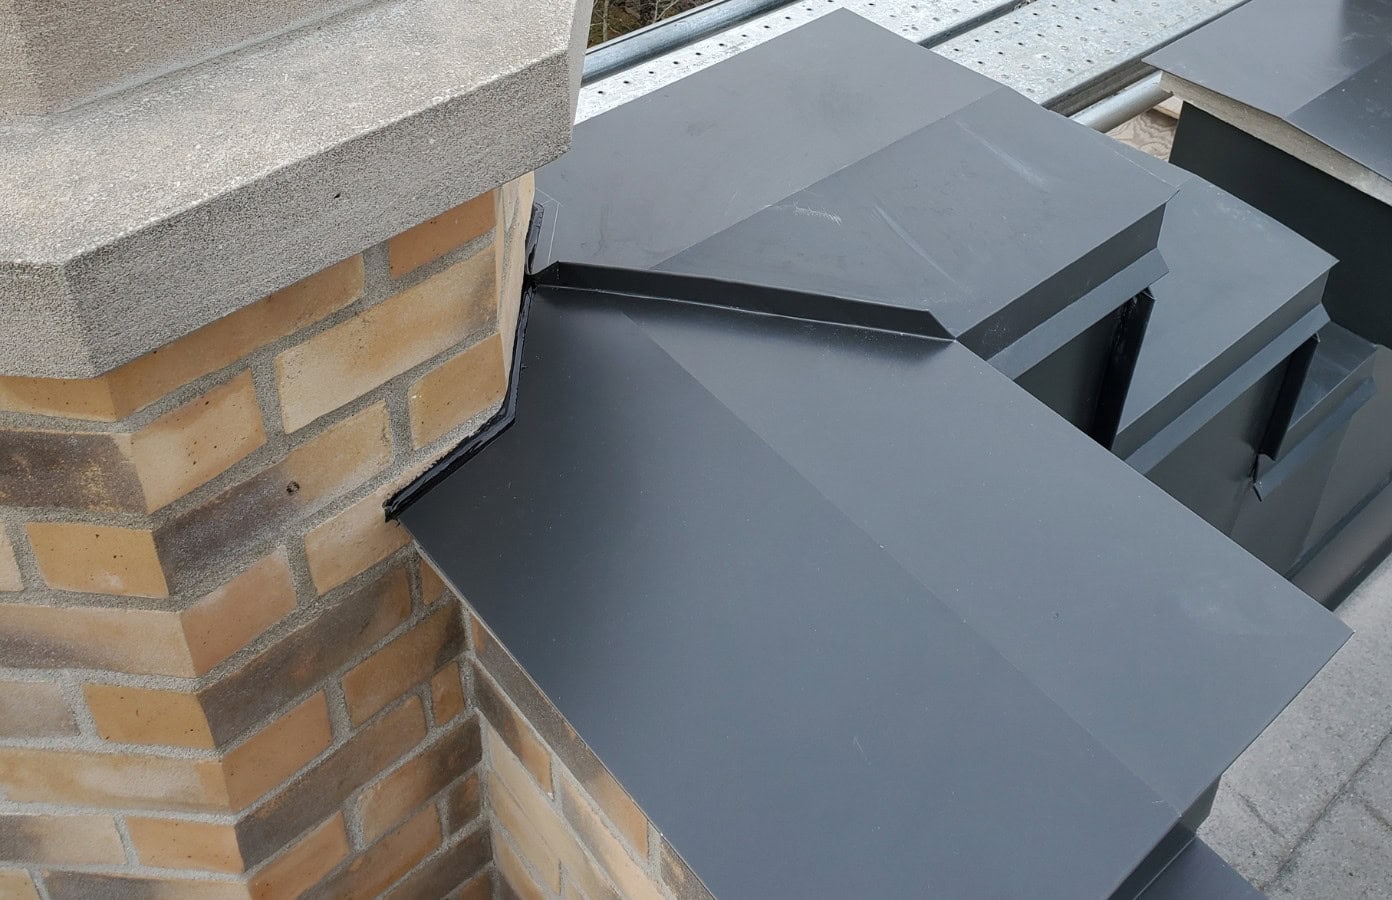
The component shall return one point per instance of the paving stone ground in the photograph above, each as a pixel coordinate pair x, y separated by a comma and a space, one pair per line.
1306, 812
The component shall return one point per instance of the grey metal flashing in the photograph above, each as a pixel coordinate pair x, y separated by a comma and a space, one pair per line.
719, 463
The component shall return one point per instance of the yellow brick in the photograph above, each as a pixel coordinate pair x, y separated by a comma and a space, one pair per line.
535, 828
350, 359
100, 559
352, 541
617, 861
195, 443
111, 780
60, 840
277, 751
230, 617
306, 862
514, 870
448, 231
132, 715
140, 641
342, 457
15, 884
140, 382
10, 579
174, 844
34, 709
457, 390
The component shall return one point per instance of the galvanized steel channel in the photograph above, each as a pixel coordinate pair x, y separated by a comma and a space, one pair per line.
1064, 54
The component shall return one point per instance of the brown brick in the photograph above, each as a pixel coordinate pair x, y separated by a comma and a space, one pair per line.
380, 865
340, 630
122, 391
111, 780
463, 803
432, 585
34, 709
10, 577
140, 641
305, 864
261, 509
177, 844
277, 751
455, 866
480, 887
15, 884
405, 662
100, 559
513, 729
514, 871
393, 798
132, 715
678, 877
557, 734
448, 231
328, 783
73, 471
446, 693
353, 540
232, 616
195, 443
350, 359
60, 840
82, 886
457, 390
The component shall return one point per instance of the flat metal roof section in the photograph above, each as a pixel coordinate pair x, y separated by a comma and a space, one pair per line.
1240, 286
1333, 84
818, 163
1060, 53
845, 607
841, 605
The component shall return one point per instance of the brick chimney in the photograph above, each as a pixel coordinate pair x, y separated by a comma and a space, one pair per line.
260, 266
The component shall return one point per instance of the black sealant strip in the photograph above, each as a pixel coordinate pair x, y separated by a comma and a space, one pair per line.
501, 420
1121, 367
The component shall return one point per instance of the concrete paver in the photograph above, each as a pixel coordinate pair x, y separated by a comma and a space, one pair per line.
1237, 834
1345, 857
1305, 812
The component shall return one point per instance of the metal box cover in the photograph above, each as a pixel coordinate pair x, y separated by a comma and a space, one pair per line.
1241, 295
845, 609
1322, 66
843, 160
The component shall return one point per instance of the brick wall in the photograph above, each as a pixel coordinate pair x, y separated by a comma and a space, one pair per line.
222, 673
561, 825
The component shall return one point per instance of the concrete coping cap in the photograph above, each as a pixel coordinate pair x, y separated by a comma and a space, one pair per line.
138, 218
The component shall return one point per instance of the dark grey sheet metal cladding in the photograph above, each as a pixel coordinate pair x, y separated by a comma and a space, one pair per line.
846, 609
1324, 66
1198, 872
1222, 362
823, 165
